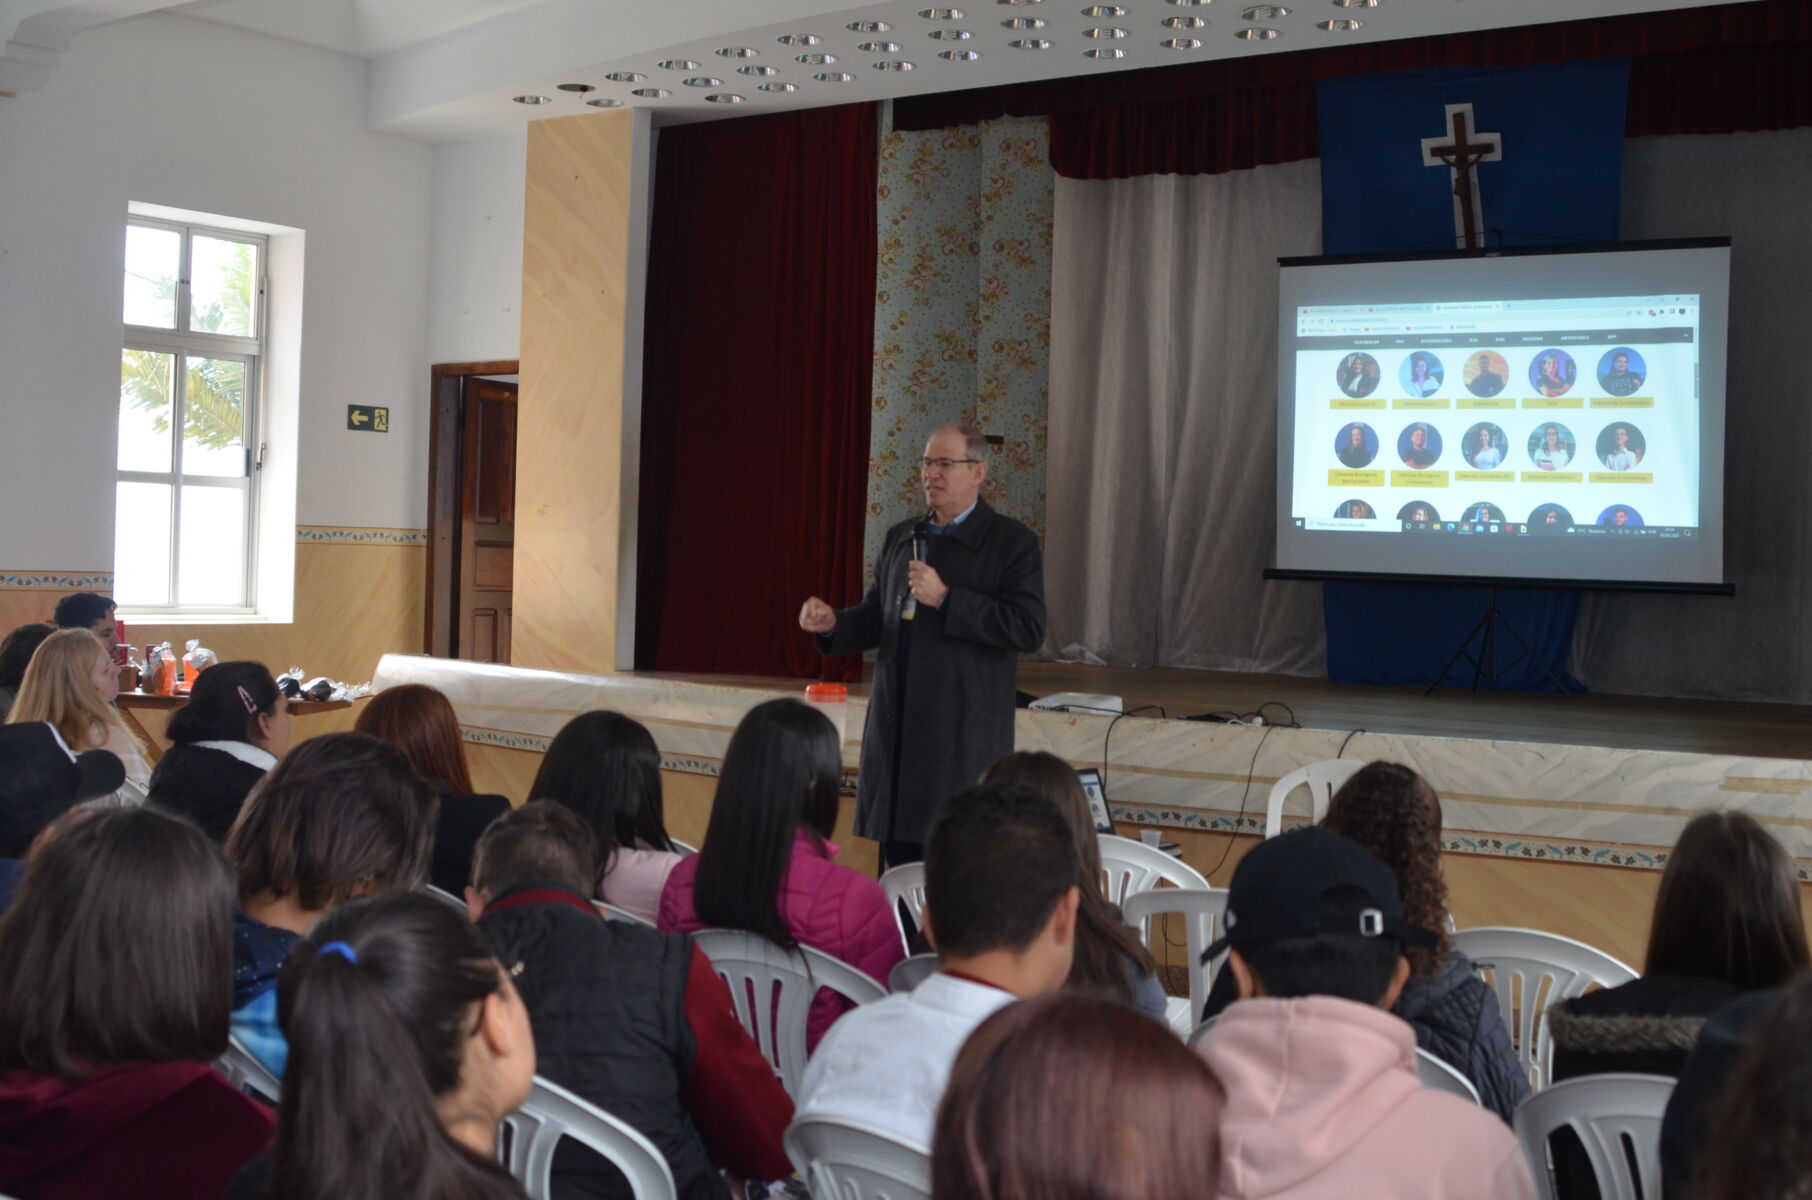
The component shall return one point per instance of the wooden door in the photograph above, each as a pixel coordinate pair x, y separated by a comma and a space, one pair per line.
487, 521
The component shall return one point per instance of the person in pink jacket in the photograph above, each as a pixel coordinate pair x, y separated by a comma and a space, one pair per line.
1320, 1094
766, 863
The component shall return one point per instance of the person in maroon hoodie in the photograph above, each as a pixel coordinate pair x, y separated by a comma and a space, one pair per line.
116, 967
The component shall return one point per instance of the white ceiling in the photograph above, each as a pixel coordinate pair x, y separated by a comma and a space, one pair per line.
446, 70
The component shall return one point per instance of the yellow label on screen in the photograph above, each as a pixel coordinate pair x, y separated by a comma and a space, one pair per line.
1554, 402
1429, 479
1346, 479
1553, 477
1351, 402
1484, 476
1622, 477
1487, 402
1422, 402
1623, 402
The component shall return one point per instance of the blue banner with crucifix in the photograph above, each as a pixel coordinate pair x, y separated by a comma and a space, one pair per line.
1516, 156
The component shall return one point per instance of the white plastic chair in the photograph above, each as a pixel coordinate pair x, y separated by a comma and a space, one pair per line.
908, 973
1129, 867
1202, 910
1531, 970
842, 1160
552, 1113
1442, 1076
772, 990
905, 884
446, 897
686, 849
1200, 1033
1617, 1119
1322, 779
621, 914
243, 1070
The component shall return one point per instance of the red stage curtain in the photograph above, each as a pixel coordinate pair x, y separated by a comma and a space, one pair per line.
1701, 70
755, 399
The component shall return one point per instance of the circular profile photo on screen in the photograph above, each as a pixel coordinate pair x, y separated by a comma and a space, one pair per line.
1421, 374
1355, 510
1419, 511
1553, 373
1485, 447
1419, 446
1483, 514
1356, 445
1485, 373
1549, 518
1620, 516
1621, 446
1621, 371
1357, 375
1551, 446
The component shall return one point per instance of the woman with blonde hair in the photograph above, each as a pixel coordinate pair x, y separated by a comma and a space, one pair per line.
70, 684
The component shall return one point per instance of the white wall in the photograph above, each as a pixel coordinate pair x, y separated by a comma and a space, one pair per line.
172, 111
475, 277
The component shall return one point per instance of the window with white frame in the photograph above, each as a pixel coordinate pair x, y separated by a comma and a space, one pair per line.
186, 490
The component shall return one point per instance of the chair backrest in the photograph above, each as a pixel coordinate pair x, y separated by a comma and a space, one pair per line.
446, 897
905, 885
772, 989
1322, 779
842, 1160
1618, 1120
552, 1113
245, 1072
1443, 1076
1202, 911
908, 973
686, 849
1129, 867
1531, 970
620, 914
1200, 1033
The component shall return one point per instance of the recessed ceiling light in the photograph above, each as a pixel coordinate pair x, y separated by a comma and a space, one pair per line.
761, 71
605, 102
815, 59
1109, 33
1019, 3
868, 27
950, 35
833, 77
533, 99
1029, 44
1103, 10
1181, 43
1104, 52
1355, 3
677, 64
804, 39
879, 47
1190, 3
1264, 12
626, 77
580, 88
737, 52
724, 98
1256, 33
651, 93
959, 55
1344, 25
941, 14
1024, 23
1184, 22
704, 81
893, 64
780, 87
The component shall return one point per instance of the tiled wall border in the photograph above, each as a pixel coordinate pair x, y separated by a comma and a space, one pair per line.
352, 535
78, 581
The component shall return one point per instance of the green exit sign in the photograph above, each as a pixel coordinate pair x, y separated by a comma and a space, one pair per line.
367, 418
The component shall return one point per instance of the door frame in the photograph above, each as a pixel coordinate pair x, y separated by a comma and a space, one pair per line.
447, 389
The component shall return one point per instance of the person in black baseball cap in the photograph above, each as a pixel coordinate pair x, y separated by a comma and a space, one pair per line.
40, 780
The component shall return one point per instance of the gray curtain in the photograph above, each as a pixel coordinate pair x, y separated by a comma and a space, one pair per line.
1161, 475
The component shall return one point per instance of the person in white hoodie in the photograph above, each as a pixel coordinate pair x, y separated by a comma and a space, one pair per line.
1321, 1097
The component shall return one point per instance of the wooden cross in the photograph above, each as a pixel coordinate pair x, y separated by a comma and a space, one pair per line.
1464, 149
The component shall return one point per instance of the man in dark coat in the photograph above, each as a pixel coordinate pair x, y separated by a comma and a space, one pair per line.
942, 705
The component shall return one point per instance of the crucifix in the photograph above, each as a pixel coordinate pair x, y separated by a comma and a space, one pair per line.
1462, 149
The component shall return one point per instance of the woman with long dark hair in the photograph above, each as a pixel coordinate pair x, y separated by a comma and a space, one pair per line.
1071, 1097
419, 721
232, 731
1110, 958
604, 766
766, 863
116, 961
408, 1044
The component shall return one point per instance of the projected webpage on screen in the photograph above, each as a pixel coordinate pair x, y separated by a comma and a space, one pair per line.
1575, 418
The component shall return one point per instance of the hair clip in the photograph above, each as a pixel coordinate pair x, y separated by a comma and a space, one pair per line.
245, 698
340, 948
516, 970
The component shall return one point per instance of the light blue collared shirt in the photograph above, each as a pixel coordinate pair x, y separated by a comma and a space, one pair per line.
937, 529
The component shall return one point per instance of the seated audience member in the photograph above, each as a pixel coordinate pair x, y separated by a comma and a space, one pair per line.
40, 780
1074, 1097
90, 612
1001, 906
71, 683
604, 766
629, 1018
1392, 814
233, 729
341, 816
419, 721
15, 654
766, 863
1714, 1058
114, 964
1321, 1093
1726, 922
1758, 1143
408, 1044
1110, 958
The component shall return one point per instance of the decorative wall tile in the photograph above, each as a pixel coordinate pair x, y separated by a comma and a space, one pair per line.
75, 581
356, 536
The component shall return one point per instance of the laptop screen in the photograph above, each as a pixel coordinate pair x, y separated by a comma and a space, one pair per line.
1097, 799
